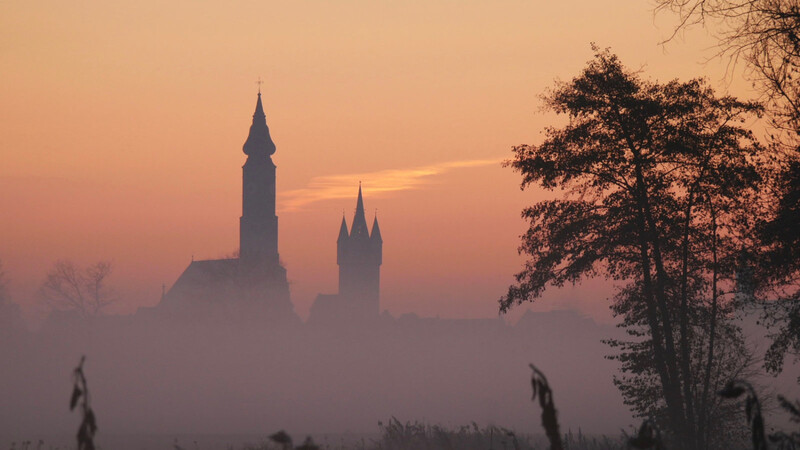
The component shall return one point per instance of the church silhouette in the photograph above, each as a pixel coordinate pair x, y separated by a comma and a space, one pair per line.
255, 285
359, 254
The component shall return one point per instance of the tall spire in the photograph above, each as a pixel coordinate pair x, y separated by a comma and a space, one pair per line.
258, 226
359, 227
259, 142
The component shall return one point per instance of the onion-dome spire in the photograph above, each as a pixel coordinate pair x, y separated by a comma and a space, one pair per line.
259, 142
343, 234
375, 236
359, 228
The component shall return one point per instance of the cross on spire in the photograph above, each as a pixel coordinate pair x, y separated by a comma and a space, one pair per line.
259, 83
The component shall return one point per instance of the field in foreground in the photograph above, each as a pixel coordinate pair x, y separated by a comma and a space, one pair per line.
392, 435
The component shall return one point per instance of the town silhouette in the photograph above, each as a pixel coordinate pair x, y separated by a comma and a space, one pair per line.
580, 245
224, 354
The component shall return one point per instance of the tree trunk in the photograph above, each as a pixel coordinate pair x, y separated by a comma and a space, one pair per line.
685, 363
704, 417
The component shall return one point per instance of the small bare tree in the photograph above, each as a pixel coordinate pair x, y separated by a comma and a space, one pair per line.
3, 289
9, 311
69, 287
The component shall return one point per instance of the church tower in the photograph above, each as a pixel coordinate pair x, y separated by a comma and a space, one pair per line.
258, 226
253, 286
359, 255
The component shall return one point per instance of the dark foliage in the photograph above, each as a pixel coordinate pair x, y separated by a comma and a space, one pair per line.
648, 436
658, 184
765, 36
755, 420
283, 439
776, 269
786, 441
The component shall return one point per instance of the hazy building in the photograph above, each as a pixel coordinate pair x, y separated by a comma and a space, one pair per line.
359, 254
254, 283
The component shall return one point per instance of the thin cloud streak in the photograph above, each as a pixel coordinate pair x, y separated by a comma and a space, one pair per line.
331, 187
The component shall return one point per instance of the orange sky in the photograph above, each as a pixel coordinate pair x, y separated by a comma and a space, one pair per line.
122, 124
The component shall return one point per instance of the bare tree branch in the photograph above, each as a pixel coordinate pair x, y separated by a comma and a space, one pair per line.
67, 287
765, 36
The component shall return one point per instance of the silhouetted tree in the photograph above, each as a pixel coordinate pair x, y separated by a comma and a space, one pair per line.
68, 287
9, 311
657, 180
765, 35
774, 270
717, 420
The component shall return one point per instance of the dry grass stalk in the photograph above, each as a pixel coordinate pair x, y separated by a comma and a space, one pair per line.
80, 392
541, 389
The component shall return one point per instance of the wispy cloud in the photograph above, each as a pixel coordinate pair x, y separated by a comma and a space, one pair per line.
330, 187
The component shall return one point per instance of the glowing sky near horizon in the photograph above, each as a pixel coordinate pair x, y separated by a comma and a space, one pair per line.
121, 127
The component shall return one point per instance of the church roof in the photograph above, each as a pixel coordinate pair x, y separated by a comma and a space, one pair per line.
259, 142
203, 276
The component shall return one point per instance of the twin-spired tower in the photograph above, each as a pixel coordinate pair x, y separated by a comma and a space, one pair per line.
359, 254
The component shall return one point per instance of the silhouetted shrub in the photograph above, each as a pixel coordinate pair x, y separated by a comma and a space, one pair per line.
648, 436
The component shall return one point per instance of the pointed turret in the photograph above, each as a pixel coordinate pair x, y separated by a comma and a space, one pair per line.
375, 236
343, 234
359, 228
259, 142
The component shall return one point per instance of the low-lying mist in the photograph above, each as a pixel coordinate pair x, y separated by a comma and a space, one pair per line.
152, 376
